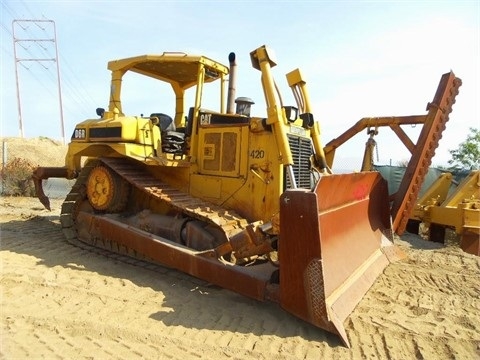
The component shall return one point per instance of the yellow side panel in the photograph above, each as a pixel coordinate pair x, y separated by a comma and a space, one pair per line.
219, 151
205, 187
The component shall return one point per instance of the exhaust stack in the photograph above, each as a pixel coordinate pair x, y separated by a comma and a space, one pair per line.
231, 84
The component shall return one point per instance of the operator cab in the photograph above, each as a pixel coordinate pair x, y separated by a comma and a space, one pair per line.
173, 141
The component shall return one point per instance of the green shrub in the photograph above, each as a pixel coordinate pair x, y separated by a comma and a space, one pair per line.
16, 177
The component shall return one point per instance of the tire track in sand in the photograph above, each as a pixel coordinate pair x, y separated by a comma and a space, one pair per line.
75, 301
427, 304
59, 301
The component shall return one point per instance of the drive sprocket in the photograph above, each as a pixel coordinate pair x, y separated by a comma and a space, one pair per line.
106, 190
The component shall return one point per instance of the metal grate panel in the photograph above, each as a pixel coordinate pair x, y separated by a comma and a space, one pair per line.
301, 149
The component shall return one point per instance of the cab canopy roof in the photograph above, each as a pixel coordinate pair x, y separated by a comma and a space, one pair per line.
175, 68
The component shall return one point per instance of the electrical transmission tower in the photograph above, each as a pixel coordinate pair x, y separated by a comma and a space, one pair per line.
20, 27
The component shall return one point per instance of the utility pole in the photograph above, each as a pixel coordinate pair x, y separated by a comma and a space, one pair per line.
22, 26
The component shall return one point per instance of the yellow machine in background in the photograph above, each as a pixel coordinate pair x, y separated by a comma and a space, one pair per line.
247, 203
459, 210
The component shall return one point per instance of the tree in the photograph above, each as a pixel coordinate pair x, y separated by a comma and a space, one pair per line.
467, 155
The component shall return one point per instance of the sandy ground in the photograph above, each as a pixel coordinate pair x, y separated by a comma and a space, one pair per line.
60, 301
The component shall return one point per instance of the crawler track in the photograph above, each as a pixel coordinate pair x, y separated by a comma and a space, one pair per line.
228, 221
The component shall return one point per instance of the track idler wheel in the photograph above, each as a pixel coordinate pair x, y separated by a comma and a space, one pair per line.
106, 190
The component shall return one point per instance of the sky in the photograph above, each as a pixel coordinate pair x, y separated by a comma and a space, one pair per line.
359, 59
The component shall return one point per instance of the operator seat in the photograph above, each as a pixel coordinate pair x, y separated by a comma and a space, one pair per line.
172, 140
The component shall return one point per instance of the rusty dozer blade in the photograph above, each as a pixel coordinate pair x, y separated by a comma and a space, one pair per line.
334, 244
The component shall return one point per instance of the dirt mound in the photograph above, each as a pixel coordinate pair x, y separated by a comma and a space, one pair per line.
39, 151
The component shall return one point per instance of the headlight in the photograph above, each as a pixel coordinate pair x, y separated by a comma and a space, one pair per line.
79, 134
291, 113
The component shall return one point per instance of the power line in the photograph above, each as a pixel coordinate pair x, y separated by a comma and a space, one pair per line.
32, 16
24, 24
81, 100
77, 79
8, 10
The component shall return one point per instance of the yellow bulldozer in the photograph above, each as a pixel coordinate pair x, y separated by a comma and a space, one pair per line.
247, 203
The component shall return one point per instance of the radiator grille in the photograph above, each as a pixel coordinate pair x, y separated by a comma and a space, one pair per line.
113, 132
301, 149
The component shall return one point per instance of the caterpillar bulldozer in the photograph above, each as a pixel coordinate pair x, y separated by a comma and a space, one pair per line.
243, 202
